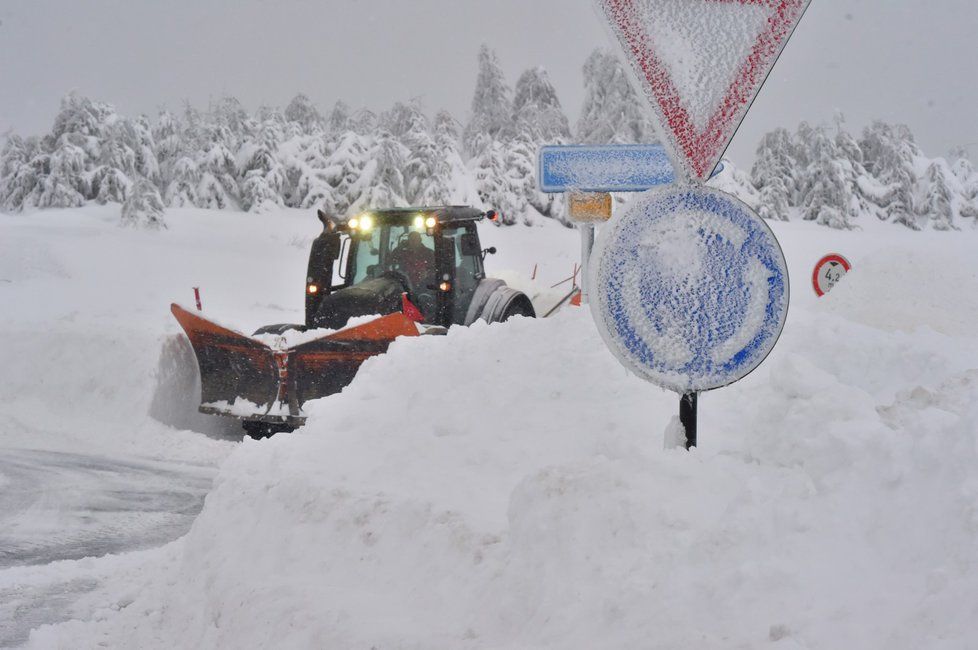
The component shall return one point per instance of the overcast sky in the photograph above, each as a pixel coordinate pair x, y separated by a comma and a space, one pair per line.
911, 61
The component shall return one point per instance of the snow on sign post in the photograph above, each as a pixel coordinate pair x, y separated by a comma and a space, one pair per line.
828, 271
589, 207
604, 168
586, 209
690, 287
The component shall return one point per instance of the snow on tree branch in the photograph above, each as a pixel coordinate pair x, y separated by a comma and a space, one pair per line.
344, 160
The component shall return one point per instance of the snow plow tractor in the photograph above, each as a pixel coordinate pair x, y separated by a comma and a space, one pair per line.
371, 279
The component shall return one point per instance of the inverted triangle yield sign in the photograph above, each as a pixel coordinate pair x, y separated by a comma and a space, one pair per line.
701, 63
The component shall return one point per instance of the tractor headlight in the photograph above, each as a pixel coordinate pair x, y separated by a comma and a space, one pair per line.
354, 223
430, 222
419, 221
366, 222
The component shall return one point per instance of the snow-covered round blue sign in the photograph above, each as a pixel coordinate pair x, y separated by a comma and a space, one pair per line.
689, 288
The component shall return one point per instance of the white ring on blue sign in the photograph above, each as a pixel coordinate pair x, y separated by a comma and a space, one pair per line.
689, 288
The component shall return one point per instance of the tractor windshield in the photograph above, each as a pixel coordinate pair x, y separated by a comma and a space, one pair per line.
401, 250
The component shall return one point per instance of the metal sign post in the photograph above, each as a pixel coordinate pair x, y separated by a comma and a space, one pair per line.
586, 210
587, 244
690, 291
687, 416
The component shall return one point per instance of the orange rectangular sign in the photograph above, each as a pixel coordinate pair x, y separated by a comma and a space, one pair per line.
589, 207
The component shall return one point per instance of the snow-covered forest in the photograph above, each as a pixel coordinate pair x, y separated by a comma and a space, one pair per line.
346, 160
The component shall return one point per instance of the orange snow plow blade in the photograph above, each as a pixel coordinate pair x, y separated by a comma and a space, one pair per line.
243, 377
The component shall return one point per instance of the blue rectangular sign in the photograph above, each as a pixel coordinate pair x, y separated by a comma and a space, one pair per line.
604, 168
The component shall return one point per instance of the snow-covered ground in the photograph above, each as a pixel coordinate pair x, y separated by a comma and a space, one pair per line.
502, 487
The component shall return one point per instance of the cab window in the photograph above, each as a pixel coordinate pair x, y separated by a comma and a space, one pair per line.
468, 268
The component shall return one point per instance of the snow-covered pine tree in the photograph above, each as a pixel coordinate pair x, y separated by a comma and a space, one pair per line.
303, 112
537, 110
303, 159
143, 208
612, 113
169, 150
521, 182
938, 198
81, 121
262, 178
450, 181
383, 178
168, 138
62, 182
962, 168
217, 189
408, 124
75, 145
773, 174
184, 179
115, 166
865, 192
827, 199
492, 105
890, 153
338, 121
538, 120
964, 171
490, 171
344, 168
229, 122
18, 176
139, 133
314, 191
364, 122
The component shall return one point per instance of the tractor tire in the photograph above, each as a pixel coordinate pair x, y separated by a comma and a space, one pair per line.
518, 308
506, 302
262, 430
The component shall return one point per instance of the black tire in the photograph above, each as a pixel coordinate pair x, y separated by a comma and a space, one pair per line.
262, 430
521, 306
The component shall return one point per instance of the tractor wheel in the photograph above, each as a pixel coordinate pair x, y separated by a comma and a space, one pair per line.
262, 430
521, 306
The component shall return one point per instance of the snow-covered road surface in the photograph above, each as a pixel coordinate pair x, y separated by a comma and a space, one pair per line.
64, 506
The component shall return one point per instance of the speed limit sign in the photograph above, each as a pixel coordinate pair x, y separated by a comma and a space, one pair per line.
828, 271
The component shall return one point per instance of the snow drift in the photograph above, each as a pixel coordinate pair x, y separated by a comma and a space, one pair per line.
506, 487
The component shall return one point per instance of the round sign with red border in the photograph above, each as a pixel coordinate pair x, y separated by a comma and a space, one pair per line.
828, 271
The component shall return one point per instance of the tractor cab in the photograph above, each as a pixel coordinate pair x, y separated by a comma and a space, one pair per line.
366, 264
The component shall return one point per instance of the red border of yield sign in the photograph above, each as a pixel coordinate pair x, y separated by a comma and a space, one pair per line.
831, 257
703, 151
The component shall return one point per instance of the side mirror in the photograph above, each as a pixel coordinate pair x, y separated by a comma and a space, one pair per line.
492, 215
489, 251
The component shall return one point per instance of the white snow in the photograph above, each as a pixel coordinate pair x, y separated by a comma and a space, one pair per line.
506, 486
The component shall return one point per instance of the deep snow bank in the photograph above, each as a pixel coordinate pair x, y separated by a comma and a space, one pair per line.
506, 487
